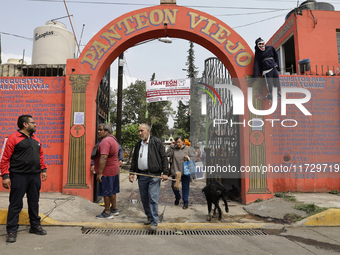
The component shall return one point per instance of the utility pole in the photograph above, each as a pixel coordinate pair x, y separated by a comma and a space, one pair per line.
119, 97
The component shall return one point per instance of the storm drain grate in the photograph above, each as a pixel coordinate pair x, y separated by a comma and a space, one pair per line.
138, 232
135, 201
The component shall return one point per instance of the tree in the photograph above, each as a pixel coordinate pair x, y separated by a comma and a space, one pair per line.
135, 108
113, 107
134, 103
192, 69
195, 118
129, 138
158, 116
182, 119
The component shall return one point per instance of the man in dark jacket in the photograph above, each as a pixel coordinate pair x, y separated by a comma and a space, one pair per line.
267, 62
22, 163
149, 158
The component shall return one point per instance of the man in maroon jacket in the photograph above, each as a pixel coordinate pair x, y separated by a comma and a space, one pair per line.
21, 165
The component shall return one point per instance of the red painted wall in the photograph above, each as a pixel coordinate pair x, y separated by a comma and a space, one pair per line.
308, 152
44, 99
314, 39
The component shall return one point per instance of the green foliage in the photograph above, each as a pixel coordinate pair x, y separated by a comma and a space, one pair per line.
129, 137
194, 121
113, 107
181, 132
286, 197
191, 68
310, 209
134, 103
182, 119
258, 200
292, 217
335, 192
135, 107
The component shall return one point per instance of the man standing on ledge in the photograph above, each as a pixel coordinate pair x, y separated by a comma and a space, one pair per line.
21, 165
149, 157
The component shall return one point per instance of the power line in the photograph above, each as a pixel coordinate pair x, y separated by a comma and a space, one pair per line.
84, 2
190, 6
240, 14
258, 21
27, 38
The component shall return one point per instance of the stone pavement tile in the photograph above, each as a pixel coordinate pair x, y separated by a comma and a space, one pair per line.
275, 208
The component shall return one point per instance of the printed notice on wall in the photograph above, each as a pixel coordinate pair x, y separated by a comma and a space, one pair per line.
309, 144
44, 99
78, 118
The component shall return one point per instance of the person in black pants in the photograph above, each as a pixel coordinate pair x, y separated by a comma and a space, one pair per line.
267, 62
22, 163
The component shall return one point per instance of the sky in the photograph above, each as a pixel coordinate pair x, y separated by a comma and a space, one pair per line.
249, 18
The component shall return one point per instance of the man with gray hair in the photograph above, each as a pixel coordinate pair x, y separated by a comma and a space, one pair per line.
107, 168
149, 158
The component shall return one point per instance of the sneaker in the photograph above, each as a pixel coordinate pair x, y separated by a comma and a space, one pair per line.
185, 206
153, 227
114, 211
177, 202
104, 215
148, 222
11, 238
269, 97
39, 231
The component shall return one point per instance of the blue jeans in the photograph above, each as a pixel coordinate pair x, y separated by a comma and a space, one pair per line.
185, 189
149, 193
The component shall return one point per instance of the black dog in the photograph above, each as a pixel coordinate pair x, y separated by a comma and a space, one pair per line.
215, 191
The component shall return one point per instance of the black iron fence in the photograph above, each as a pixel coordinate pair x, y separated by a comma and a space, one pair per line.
318, 70
42, 70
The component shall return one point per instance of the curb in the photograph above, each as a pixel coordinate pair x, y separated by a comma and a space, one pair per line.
330, 217
47, 221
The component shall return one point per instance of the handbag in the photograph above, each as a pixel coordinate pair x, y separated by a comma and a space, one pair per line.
189, 167
94, 151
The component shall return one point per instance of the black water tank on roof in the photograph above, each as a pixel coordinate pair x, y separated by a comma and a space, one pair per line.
312, 5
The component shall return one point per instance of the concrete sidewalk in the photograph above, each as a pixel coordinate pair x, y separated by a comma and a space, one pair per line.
69, 210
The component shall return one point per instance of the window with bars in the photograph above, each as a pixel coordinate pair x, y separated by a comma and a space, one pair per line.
338, 43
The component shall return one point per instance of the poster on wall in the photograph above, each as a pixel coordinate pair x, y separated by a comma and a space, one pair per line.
169, 90
310, 148
44, 99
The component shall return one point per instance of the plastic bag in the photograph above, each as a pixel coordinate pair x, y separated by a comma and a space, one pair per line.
189, 167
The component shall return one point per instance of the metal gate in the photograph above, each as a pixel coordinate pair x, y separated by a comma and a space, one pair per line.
222, 141
103, 106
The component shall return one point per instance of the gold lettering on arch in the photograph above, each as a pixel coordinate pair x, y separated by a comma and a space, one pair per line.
100, 48
111, 35
170, 16
222, 31
141, 23
125, 23
193, 23
89, 57
231, 49
160, 17
243, 58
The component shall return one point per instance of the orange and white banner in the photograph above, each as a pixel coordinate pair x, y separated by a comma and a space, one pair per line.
169, 90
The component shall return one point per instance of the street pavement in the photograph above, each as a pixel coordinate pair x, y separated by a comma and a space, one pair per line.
68, 218
68, 210
72, 240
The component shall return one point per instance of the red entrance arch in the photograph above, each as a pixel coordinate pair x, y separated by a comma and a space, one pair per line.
84, 74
